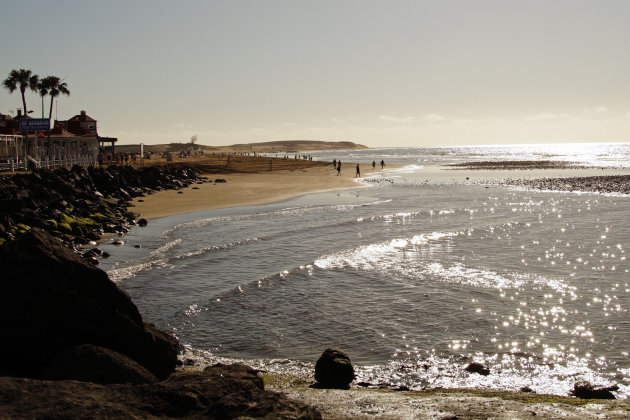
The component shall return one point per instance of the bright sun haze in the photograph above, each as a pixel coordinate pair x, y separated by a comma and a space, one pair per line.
395, 73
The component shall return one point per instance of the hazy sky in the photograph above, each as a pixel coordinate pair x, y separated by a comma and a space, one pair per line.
380, 73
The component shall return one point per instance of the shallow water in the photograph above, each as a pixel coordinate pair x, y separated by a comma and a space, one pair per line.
413, 281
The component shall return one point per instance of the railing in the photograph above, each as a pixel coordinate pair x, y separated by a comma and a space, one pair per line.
16, 154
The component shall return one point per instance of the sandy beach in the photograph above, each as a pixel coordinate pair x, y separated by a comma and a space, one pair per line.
248, 181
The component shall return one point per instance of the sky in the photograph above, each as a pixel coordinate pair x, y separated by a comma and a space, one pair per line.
379, 73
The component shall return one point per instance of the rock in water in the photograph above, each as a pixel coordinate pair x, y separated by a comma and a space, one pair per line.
334, 369
586, 390
50, 299
476, 367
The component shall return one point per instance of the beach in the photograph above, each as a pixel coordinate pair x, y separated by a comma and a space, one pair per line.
248, 182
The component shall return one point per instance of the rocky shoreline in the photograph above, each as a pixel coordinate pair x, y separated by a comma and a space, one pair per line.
80, 205
515, 165
77, 347
612, 184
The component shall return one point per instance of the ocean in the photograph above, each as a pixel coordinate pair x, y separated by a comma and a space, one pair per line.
413, 281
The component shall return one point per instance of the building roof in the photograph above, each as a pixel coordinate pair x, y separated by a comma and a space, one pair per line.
82, 117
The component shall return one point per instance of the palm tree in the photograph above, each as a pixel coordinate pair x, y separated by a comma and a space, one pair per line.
53, 87
43, 91
21, 79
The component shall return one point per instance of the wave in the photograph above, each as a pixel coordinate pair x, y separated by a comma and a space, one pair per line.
157, 258
423, 257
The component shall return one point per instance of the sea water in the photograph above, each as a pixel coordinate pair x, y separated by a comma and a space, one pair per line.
413, 281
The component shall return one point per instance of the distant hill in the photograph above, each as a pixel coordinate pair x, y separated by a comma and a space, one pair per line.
280, 146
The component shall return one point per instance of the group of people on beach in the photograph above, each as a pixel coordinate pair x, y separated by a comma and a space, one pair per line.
337, 166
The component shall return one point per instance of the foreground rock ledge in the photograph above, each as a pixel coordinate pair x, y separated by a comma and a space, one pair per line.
219, 392
52, 300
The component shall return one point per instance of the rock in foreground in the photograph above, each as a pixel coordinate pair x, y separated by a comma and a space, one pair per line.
52, 300
334, 369
219, 392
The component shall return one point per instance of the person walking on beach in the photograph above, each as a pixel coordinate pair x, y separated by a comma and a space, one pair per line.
338, 168
382, 164
335, 163
270, 164
229, 162
373, 164
358, 174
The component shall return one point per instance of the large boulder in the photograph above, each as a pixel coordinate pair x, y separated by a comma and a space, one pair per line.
50, 299
98, 365
334, 369
219, 392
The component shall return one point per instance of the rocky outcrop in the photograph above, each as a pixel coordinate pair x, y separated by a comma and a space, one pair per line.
219, 392
88, 363
51, 299
81, 204
334, 369
618, 184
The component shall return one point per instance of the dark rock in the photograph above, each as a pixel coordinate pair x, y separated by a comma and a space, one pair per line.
479, 368
95, 364
334, 369
526, 389
219, 180
51, 299
219, 392
91, 260
106, 254
586, 390
90, 254
142, 222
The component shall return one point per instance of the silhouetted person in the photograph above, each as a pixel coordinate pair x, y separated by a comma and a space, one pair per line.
335, 163
373, 165
382, 164
358, 174
338, 168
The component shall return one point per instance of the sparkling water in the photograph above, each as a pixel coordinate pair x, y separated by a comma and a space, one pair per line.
412, 281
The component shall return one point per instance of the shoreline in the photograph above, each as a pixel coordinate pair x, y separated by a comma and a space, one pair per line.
257, 188
431, 403
245, 189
